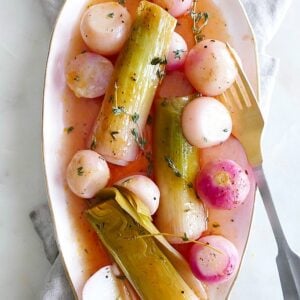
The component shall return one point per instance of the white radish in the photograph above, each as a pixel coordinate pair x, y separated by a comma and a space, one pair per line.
144, 188
87, 173
206, 122
177, 52
175, 7
214, 262
105, 27
88, 75
210, 67
223, 184
102, 285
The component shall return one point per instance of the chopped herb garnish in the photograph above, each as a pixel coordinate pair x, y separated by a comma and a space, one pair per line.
110, 15
118, 110
135, 117
225, 130
80, 171
178, 53
76, 78
185, 237
138, 139
160, 74
190, 185
149, 120
94, 143
197, 26
159, 60
69, 129
148, 156
172, 166
215, 225
113, 133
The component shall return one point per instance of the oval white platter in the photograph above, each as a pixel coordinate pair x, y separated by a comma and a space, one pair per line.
81, 260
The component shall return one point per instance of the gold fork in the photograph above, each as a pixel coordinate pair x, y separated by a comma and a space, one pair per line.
248, 126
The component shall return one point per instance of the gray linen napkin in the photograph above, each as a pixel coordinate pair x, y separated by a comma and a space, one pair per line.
266, 17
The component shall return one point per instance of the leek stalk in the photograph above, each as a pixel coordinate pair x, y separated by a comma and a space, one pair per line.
176, 164
118, 131
141, 260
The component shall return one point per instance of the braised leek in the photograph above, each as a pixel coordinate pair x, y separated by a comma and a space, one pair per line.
135, 208
176, 164
141, 260
118, 131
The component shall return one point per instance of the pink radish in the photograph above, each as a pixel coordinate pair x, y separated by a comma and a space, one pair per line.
210, 68
177, 52
216, 262
88, 75
223, 184
175, 7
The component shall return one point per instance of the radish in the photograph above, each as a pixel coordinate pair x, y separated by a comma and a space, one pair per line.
87, 173
88, 75
206, 122
215, 262
102, 285
177, 52
223, 184
105, 27
144, 188
210, 67
175, 7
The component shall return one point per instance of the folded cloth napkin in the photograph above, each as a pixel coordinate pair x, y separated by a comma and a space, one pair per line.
265, 17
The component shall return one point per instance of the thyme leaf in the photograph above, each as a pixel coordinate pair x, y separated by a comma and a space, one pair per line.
178, 53
118, 110
94, 143
200, 20
135, 117
172, 166
113, 133
159, 61
80, 171
69, 129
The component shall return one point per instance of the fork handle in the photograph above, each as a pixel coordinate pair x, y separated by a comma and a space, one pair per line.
270, 208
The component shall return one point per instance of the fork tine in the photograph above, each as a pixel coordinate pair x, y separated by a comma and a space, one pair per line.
242, 93
243, 78
235, 99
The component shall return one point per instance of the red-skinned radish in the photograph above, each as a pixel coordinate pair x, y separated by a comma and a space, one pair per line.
105, 27
144, 188
210, 67
87, 173
177, 52
88, 75
206, 122
223, 184
215, 261
175, 7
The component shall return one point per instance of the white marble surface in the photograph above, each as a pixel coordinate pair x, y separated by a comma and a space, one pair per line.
24, 38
